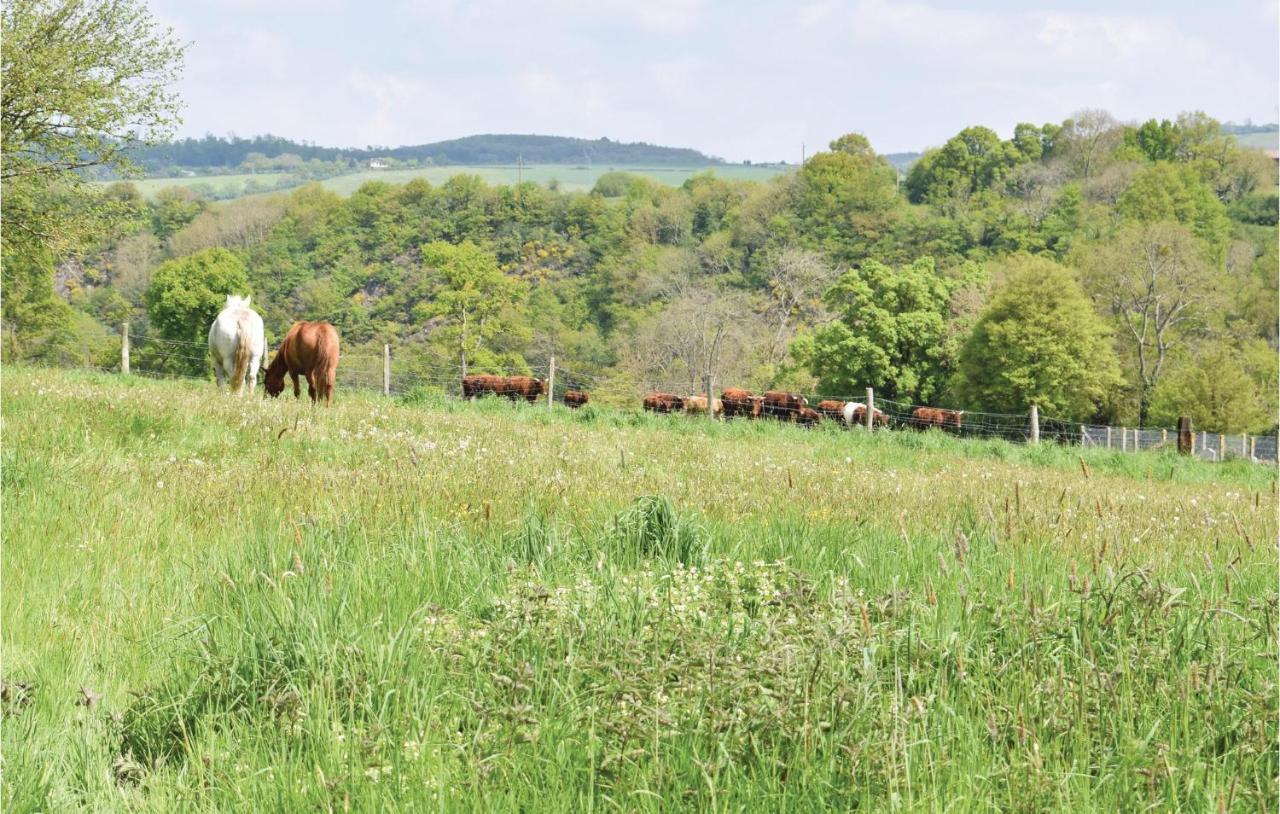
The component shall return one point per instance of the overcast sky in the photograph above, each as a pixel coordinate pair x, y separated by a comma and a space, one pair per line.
738, 80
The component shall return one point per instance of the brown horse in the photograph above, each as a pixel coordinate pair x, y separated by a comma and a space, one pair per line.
310, 348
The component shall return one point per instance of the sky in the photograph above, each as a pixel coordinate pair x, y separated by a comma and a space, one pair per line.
738, 80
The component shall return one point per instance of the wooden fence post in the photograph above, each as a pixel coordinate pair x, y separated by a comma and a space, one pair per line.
1124, 439
871, 409
1222, 446
1204, 440
1244, 446
386, 370
1108, 436
1164, 437
1084, 436
1253, 447
711, 401
551, 382
124, 347
1186, 436
1035, 424
1137, 433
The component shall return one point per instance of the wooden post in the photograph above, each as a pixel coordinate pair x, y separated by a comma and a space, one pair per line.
124, 347
551, 382
1244, 446
871, 409
1108, 436
386, 370
1137, 433
1253, 447
1204, 440
1222, 446
1124, 439
711, 402
1186, 436
1084, 436
1035, 424
1164, 437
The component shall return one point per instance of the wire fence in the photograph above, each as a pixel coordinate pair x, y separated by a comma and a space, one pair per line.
397, 374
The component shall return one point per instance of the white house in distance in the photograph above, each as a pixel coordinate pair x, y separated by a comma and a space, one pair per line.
377, 164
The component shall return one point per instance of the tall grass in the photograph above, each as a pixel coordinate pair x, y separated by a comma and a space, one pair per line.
212, 604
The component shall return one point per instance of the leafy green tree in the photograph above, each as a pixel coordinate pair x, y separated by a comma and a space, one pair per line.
1222, 387
84, 81
474, 301
972, 161
847, 199
184, 297
1039, 341
1170, 192
1154, 140
889, 333
30, 307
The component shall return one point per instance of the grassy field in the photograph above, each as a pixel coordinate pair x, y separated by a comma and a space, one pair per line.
570, 178
226, 186
1263, 141
216, 604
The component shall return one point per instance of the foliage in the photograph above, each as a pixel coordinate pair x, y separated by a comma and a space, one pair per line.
184, 297
1222, 388
475, 301
888, 333
1039, 341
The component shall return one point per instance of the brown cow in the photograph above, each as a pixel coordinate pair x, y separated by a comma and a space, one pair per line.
855, 415
575, 398
925, 417
697, 405
738, 402
663, 403
782, 405
831, 408
513, 387
807, 417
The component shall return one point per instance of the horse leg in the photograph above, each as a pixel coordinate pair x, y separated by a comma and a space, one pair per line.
311, 386
254, 361
297, 394
217, 370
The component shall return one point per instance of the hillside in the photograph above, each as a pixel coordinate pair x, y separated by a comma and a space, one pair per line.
440, 605
217, 152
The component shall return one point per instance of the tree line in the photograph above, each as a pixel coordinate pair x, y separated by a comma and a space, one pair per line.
1107, 271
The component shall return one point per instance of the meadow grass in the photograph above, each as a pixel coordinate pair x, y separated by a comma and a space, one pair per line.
213, 603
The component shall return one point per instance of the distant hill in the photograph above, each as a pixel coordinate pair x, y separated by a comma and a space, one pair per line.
218, 152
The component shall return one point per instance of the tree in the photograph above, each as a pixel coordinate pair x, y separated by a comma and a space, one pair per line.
1039, 341
84, 82
1223, 388
472, 299
184, 297
889, 333
1169, 192
971, 161
846, 200
1154, 281
796, 285
701, 331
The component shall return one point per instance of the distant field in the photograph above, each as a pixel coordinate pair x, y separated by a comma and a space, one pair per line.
420, 604
223, 186
570, 178
1263, 141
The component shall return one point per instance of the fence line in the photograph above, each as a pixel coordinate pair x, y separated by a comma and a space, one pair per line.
375, 371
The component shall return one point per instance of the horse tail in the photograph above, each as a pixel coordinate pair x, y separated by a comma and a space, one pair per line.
243, 351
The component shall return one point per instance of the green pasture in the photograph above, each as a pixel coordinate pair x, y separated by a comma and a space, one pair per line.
214, 603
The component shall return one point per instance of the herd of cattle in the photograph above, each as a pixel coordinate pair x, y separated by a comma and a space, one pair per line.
734, 402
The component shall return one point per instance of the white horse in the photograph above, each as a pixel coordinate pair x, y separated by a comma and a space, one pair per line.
237, 343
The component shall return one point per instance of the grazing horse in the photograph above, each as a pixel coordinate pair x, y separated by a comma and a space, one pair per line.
237, 343
310, 349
